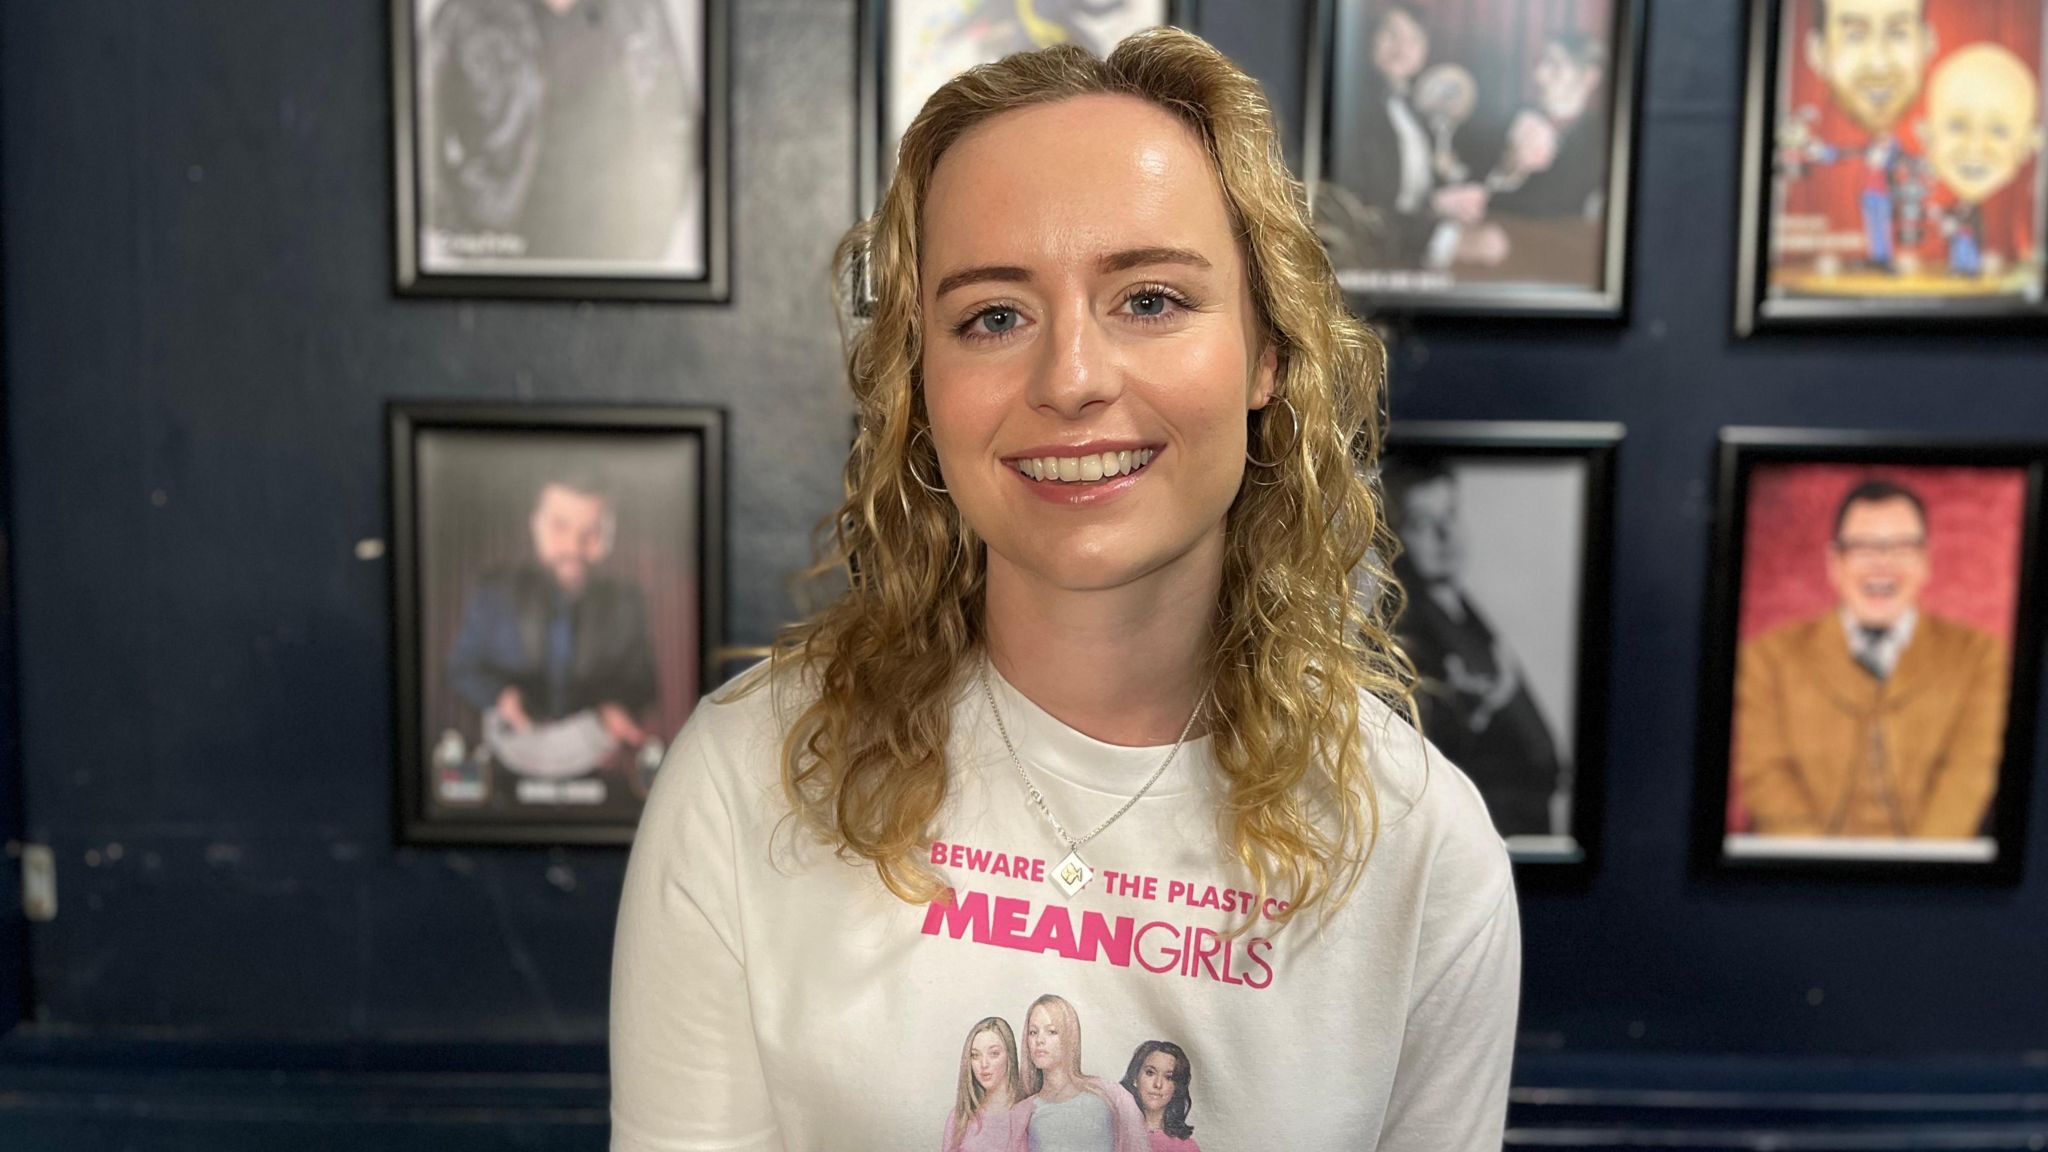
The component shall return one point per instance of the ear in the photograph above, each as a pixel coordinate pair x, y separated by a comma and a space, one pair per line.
1267, 375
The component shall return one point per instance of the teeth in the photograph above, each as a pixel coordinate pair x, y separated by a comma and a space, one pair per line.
1085, 469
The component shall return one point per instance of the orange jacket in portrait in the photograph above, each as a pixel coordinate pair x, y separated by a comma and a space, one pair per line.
1823, 748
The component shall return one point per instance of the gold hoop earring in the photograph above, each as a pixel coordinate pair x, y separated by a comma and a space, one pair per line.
1293, 419
910, 462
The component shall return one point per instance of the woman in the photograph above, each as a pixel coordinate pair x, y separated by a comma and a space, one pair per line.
984, 1108
1096, 705
1159, 1079
1070, 1110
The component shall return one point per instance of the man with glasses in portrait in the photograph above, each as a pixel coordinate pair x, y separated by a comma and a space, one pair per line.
1876, 718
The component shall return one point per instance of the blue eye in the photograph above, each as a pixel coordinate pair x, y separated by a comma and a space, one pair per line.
1149, 304
997, 321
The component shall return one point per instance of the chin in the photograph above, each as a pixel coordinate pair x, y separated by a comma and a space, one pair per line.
1093, 565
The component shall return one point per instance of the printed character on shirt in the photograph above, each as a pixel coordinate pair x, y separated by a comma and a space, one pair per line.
986, 1107
1072, 1111
1160, 1080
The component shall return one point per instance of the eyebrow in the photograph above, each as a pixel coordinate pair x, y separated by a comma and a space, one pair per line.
1114, 262
1140, 257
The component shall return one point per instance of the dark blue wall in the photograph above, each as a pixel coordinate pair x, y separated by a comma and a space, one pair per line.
200, 337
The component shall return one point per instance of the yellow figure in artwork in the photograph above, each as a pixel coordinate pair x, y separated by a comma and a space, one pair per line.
1983, 125
1044, 33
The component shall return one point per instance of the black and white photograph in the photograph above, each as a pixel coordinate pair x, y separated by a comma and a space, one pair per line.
1505, 539
561, 147
1473, 156
559, 591
910, 47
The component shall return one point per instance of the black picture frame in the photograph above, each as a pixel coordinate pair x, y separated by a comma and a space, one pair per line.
1718, 852
1606, 303
532, 279
873, 82
1756, 310
1574, 856
421, 818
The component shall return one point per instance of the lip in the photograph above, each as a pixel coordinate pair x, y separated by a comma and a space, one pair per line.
1069, 495
1084, 448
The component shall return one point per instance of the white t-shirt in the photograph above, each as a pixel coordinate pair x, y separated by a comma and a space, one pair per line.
767, 995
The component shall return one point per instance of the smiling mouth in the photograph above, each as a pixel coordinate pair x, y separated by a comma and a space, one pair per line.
1084, 469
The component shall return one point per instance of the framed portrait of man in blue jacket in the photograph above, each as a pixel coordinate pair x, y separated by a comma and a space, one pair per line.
558, 593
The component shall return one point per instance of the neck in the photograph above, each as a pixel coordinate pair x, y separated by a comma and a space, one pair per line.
1056, 1081
1122, 665
998, 1100
1155, 1119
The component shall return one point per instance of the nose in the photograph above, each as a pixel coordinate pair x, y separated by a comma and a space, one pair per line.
1075, 369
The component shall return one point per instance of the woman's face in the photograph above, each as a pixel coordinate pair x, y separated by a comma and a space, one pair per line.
1155, 1081
1090, 348
1043, 1039
990, 1059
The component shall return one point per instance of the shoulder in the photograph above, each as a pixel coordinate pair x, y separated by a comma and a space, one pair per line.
747, 717
501, 583
1430, 814
730, 750
617, 595
1785, 638
1954, 634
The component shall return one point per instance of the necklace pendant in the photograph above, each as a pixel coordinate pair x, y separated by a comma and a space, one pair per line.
1072, 874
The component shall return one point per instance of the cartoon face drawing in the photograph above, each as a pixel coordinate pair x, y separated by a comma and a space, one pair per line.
1873, 54
1983, 120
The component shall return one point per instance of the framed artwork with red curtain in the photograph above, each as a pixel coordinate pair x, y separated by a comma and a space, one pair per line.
558, 589
1870, 673
1474, 156
1892, 163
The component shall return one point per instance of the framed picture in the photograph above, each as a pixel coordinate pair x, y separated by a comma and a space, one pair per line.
1507, 535
908, 48
1892, 163
1474, 156
559, 597
564, 148
1870, 672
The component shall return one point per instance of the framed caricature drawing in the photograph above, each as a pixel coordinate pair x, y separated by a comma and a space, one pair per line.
1892, 163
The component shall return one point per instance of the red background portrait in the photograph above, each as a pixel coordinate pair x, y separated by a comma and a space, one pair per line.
1832, 190
1976, 521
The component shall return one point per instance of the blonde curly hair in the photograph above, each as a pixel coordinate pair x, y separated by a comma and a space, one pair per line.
1294, 646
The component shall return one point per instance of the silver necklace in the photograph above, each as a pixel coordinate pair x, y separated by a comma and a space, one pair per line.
1072, 873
